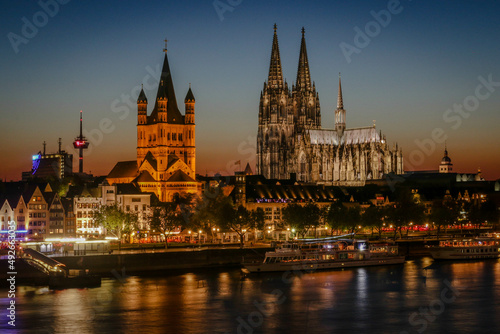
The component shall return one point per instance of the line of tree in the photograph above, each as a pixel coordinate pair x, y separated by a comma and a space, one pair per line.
218, 213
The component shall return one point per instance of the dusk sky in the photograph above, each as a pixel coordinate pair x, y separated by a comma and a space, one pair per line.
431, 67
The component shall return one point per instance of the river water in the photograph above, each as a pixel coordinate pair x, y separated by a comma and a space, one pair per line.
462, 297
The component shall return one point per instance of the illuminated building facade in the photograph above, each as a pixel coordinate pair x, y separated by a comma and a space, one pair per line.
290, 138
59, 164
126, 196
166, 149
38, 212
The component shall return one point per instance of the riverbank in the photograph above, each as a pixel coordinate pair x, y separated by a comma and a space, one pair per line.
165, 261
140, 263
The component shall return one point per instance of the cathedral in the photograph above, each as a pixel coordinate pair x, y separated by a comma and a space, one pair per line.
166, 151
290, 139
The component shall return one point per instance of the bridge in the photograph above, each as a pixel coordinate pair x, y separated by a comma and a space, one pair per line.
43, 263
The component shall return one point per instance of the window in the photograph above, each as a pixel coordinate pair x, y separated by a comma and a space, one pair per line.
137, 208
144, 207
174, 136
128, 208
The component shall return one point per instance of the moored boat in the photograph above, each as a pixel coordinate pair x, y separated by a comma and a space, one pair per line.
487, 247
326, 254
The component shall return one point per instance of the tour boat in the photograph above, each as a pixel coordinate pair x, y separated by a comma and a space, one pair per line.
326, 254
486, 247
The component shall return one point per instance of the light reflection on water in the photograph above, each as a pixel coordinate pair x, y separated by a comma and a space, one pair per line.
360, 300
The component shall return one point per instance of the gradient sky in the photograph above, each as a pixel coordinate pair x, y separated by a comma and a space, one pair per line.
93, 55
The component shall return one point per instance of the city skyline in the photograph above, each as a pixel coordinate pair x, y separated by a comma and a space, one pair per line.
422, 71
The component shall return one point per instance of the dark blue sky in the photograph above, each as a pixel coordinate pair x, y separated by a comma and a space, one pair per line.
93, 55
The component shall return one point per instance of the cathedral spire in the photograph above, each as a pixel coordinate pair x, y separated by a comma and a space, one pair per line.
340, 113
340, 101
275, 78
303, 75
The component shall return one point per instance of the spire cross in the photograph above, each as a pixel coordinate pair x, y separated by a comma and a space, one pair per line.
165, 50
275, 28
303, 31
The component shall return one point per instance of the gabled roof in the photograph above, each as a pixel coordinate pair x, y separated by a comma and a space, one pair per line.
124, 169
151, 159
49, 197
144, 177
127, 189
28, 192
67, 204
172, 159
350, 137
248, 170
180, 176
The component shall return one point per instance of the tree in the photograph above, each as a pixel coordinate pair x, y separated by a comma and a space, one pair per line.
407, 209
205, 215
352, 218
301, 218
166, 218
240, 220
482, 212
374, 217
115, 220
443, 213
335, 215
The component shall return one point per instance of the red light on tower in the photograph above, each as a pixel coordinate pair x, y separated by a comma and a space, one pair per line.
80, 144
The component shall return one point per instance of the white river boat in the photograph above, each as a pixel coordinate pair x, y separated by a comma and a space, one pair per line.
326, 254
486, 247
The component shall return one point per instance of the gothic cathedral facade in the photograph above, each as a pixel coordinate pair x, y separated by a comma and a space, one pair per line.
290, 139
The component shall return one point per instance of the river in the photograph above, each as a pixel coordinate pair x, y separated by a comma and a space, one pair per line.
461, 297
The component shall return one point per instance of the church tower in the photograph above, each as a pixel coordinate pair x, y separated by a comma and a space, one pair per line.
290, 139
276, 120
189, 131
305, 98
340, 113
445, 166
166, 148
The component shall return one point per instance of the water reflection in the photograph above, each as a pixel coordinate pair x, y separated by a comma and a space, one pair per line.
458, 297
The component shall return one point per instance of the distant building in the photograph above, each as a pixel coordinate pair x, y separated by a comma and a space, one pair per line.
69, 218
166, 149
291, 140
58, 165
127, 196
38, 207
445, 166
